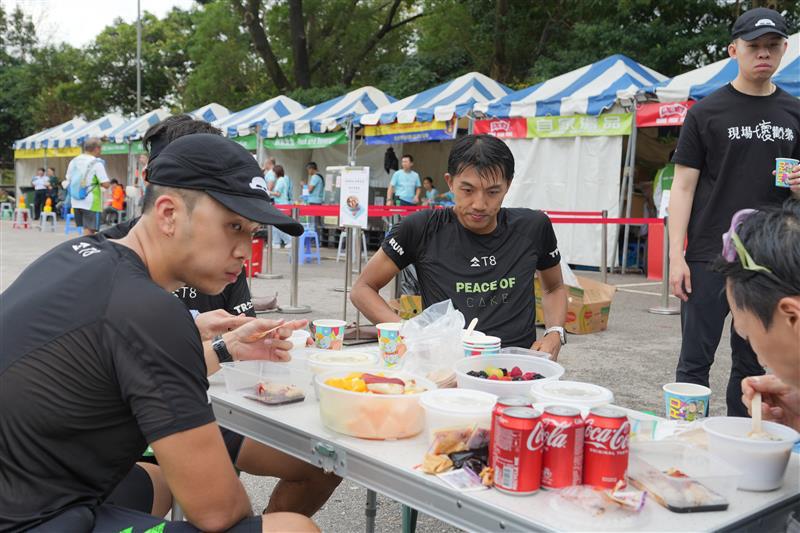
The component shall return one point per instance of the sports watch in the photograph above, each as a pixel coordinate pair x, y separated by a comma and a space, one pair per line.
221, 350
561, 333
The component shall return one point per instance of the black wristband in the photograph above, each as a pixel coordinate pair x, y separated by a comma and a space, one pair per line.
221, 349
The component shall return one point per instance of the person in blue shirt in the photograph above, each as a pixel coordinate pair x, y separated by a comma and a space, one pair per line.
430, 191
404, 184
269, 173
316, 184
282, 195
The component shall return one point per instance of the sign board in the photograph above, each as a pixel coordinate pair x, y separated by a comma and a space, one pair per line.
662, 114
502, 128
307, 141
354, 197
604, 125
436, 130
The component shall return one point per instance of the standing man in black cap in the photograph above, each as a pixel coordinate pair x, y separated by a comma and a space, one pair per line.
86, 386
724, 162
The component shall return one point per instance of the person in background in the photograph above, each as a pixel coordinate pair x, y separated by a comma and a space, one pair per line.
87, 171
113, 213
282, 195
269, 173
430, 192
53, 190
723, 163
662, 184
404, 184
760, 262
41, 187
316, 184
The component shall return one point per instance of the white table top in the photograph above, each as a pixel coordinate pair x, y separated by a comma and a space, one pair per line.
393, 460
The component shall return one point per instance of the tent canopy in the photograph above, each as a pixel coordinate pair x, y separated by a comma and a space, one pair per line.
589, 90
42, 139
701, 82
241, 122
329, 115
454, 98
96, 128
135, 128
210, 112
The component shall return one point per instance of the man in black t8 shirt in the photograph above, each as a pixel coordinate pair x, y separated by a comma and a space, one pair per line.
477, 254
724, 162
113, 361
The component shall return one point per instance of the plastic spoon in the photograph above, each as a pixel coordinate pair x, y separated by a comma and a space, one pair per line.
471, 327
757, 431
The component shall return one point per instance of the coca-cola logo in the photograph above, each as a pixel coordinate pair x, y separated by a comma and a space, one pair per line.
557, 436
608, 438
536, 437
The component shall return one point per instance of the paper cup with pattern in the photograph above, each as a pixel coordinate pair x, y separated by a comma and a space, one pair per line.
391, 343
686, 401
783, 167
329, 334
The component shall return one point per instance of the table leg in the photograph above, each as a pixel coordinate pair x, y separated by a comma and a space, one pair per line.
371, 510
409, 519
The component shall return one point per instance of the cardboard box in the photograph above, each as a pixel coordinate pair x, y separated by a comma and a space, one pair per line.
407, 306
588, 306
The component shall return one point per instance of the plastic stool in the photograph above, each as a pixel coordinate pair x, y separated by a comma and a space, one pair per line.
23, 218
68, 227
7, 211
44, 217
343, 242
306, 253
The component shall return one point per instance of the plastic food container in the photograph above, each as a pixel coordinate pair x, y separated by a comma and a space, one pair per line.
241, 377
321, 361
576, 394
371, 416
700, 465
763, 461
456, 408
550, 370
299, 338
515, 350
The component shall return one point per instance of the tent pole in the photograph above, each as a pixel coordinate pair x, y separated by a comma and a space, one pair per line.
351, 143
471, 124
260, 155
631, 180
622, 189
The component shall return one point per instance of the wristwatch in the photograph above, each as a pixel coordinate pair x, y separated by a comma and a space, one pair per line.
561, 333
221, 350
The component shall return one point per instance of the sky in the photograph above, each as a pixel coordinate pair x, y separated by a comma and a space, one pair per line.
77, 22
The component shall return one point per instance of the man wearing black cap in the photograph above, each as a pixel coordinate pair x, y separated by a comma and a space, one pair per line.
88, 384
724, 163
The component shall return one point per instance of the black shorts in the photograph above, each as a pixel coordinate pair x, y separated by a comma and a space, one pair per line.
113, 519
87, 219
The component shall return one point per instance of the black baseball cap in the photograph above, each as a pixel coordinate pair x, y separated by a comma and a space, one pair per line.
224, 170
754, 23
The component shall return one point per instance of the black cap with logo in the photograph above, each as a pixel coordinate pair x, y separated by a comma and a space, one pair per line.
224, 170
754, 23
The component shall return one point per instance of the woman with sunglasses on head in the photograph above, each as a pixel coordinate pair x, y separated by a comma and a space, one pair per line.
761, 265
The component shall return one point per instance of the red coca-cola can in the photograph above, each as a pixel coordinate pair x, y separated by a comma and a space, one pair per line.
605, 451
502, 403
517, 456
562, 459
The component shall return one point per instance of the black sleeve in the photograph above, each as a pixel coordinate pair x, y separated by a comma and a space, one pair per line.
691, 151
120, 230
549, 256
158, 361
403, 241
238, 298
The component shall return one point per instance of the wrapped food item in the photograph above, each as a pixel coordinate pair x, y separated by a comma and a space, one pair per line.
675, 490
436, 464
272, 393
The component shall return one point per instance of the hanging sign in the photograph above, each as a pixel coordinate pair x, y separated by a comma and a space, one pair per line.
502, 128
436, 130
354, 197
306, 141
580, 126
662, 114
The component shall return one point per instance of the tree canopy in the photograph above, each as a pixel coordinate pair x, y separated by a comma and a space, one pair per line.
241, 52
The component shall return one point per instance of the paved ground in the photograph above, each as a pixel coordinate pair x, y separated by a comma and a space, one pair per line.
634, 357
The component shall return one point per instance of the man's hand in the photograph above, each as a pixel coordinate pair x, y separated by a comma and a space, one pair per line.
255, 340
779, 402
680, 279
213, 323
550, 343
794, 180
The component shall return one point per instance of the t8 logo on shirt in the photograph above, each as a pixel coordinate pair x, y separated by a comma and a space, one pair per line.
85, 249
241, 308
185, 292
485, 260
764, 131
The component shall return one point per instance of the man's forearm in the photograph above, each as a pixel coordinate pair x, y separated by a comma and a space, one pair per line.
680, 209
371, 305
554, 306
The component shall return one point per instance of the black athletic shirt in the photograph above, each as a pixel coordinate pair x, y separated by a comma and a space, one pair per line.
733, 139
235, 298
486, 276
96, 361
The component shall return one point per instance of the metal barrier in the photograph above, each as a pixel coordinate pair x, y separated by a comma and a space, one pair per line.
266, 259
664, 308
294, 307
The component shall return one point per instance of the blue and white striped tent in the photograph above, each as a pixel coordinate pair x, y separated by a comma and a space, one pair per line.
242, 122
589, 90
210, 112
329, 115
703, 81
135, 128
443, 102
96, 128
42, 138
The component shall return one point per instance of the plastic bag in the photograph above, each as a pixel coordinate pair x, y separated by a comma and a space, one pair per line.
433, 339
